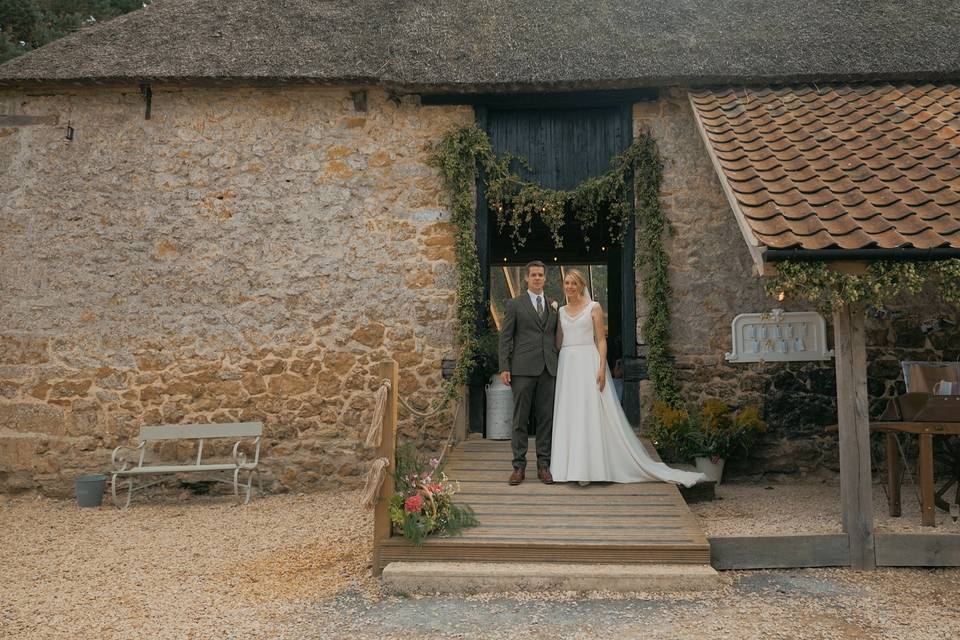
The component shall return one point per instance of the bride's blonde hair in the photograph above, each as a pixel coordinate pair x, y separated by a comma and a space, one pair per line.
577, 275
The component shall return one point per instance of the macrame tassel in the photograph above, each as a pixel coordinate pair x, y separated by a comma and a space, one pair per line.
375, 476
375, 432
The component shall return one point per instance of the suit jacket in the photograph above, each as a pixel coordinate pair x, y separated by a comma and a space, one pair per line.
527, 343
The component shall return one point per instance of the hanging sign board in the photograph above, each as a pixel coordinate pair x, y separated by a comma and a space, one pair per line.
779, 336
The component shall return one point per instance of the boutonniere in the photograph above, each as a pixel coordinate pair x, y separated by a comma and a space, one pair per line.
554, 305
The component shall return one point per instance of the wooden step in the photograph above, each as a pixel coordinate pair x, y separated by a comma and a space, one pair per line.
478, 577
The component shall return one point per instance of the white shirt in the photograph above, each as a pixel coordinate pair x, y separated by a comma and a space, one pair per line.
533, 299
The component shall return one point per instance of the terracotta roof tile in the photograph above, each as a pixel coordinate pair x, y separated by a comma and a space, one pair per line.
839, 166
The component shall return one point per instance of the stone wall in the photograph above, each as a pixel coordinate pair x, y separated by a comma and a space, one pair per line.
245, 254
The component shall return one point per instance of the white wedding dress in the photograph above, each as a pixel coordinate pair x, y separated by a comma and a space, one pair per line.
592, 439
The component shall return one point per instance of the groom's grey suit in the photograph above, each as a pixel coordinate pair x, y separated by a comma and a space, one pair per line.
528, 350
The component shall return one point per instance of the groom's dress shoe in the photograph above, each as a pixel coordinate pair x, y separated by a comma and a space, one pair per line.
516, 477
544, 475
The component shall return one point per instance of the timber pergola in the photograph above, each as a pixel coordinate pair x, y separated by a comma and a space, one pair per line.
845, 175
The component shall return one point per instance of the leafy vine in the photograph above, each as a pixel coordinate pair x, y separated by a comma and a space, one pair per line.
878, 284
459, 157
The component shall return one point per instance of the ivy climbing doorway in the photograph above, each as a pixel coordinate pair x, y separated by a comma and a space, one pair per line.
562, 147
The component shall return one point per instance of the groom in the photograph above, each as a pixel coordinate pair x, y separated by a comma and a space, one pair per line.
528, 364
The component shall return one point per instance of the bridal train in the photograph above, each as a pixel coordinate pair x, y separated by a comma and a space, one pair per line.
592, 438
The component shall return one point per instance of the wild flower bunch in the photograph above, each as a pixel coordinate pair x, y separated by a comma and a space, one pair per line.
423, 504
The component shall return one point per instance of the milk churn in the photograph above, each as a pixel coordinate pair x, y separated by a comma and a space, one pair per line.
499, 409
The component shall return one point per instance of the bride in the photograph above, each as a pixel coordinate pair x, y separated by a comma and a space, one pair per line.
592, 439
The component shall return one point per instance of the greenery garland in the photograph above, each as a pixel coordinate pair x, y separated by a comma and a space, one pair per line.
653, 262
456, 157
878, 284
517, 202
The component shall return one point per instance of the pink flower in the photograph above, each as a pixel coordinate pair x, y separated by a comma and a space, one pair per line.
413, 504
434, 462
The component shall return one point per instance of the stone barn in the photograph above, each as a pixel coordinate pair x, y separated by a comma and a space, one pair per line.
221, 212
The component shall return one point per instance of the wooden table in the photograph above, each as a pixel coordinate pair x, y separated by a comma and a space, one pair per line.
925, 431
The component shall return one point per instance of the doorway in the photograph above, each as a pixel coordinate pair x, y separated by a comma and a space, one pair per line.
562, 148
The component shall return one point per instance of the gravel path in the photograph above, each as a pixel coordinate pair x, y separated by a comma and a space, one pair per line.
766, 508
297, 567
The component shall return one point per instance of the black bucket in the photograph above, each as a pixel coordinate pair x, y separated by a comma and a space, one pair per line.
90, 490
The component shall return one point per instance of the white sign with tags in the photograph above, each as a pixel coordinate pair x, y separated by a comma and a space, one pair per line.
779, 336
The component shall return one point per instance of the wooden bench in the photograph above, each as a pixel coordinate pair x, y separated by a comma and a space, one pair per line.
198, 432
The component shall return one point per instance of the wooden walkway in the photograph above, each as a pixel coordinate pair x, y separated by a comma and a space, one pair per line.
603, 523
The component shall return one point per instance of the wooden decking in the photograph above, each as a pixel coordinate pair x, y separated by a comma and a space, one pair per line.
604, 523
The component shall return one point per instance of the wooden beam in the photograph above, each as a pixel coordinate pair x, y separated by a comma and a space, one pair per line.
854, 419
387, 370
849, 267
918, 550
779, 552
461, 420
544, 100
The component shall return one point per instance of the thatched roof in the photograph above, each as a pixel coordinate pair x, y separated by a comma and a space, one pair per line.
502, 45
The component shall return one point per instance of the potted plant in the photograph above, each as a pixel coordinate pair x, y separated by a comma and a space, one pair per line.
488, 356
710, 435
723, 432
673, 433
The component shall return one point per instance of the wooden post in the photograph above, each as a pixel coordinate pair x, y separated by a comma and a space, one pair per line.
460, 420
928, 517
893, 474
388, 449
854, 418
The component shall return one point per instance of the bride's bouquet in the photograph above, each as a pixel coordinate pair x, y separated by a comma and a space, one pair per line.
422, 504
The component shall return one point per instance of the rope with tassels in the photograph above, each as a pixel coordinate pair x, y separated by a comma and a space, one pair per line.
378, 468
422, 414
374, 438
375, 476
375, 431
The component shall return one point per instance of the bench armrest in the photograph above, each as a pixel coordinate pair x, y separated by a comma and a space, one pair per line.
240, 458
121, 459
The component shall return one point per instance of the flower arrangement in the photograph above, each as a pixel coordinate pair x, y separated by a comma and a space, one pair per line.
715, 430
422, 504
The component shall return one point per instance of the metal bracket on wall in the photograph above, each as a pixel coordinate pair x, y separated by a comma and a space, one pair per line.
147, 94
359, 100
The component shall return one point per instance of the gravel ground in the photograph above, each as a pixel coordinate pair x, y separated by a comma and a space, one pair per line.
297, 567
752, 509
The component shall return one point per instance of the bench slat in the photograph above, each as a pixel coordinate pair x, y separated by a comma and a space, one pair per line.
182, 468
195, 431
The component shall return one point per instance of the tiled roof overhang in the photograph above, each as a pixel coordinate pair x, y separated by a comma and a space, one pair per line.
829, 172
